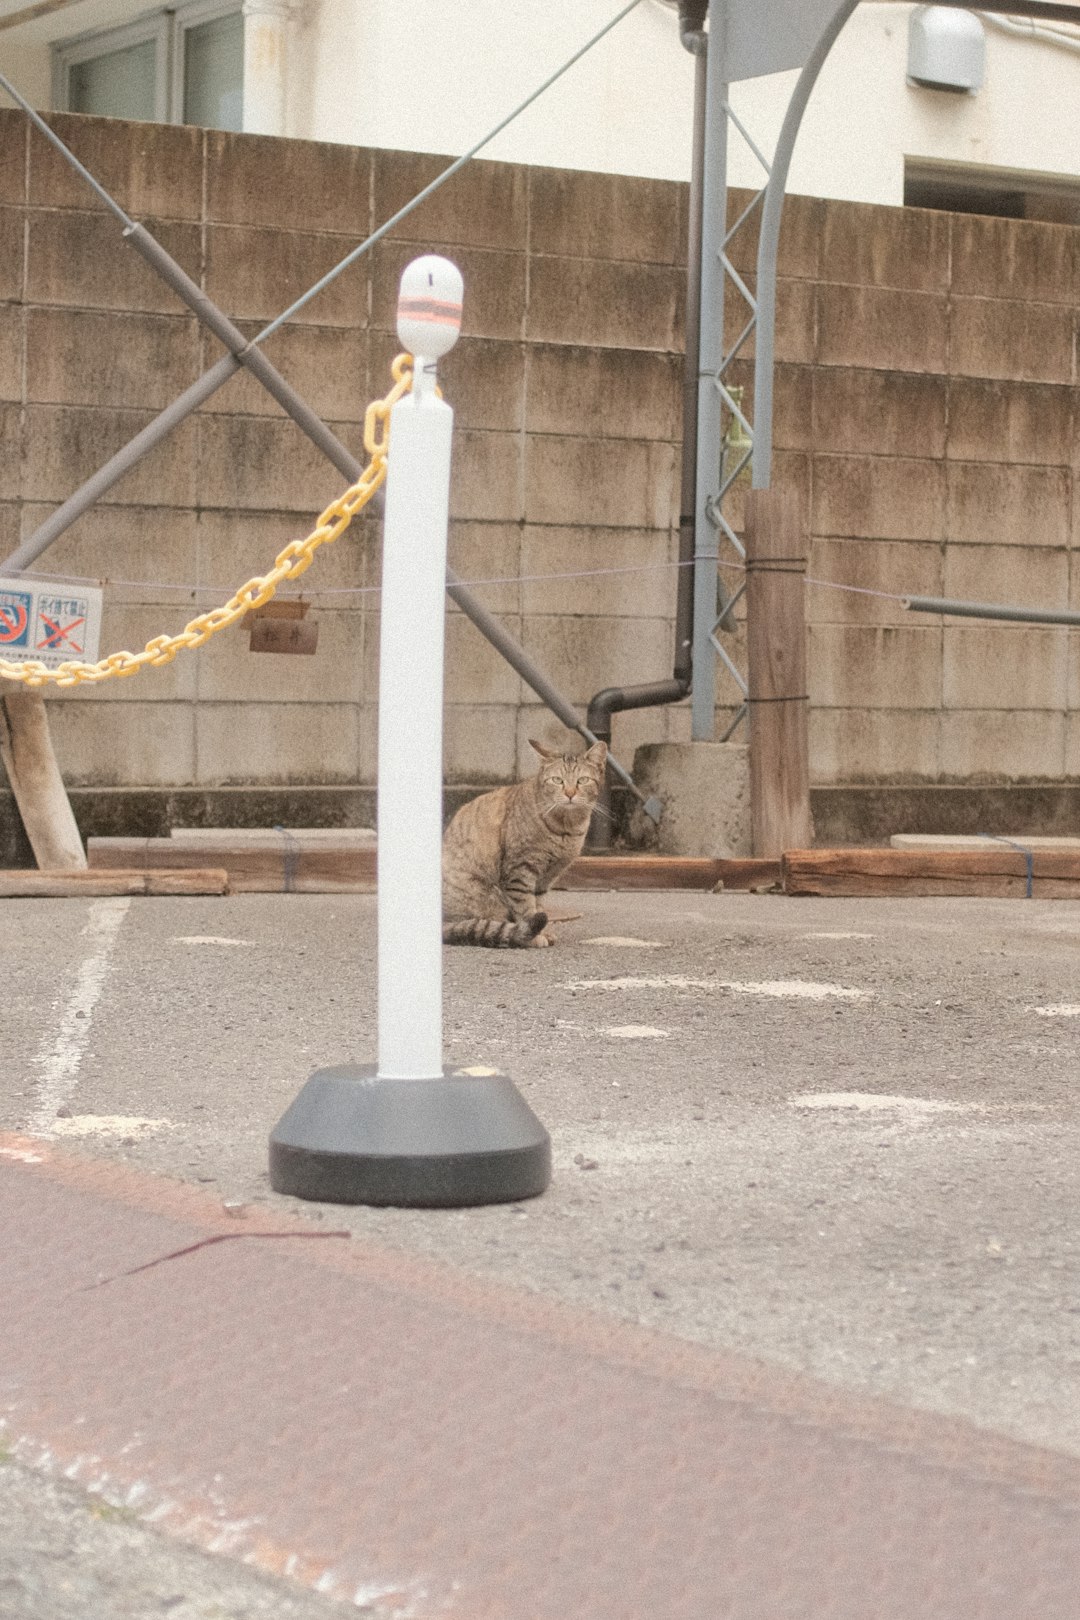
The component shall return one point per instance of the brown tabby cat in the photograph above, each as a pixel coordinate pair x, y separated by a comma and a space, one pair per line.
506, 848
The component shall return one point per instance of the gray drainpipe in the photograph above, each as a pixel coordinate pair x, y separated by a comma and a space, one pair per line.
616, 699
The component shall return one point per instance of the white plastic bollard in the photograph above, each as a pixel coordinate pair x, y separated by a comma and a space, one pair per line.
407, 1131
411, 653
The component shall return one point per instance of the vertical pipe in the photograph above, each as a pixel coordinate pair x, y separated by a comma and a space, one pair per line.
710, 356
684, 600
412, 634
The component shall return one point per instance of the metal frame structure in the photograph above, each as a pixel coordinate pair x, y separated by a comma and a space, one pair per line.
748, 38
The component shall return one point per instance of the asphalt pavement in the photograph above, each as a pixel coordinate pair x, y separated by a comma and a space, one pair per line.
836, 1138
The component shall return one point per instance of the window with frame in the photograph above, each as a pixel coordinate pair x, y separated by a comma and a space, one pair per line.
182, 66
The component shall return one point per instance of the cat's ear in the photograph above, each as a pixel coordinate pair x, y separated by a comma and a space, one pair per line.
597, 753
545, 753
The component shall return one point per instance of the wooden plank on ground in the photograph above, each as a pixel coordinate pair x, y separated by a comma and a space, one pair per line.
948, 841
27, 883
998, 871
320, 868
253, 868
277, 837
666, 872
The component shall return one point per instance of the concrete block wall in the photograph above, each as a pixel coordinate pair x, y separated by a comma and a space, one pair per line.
926, 414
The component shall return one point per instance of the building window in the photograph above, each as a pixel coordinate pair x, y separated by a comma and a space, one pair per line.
183, 66
975, 189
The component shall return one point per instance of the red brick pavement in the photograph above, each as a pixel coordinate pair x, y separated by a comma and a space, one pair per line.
402, 1436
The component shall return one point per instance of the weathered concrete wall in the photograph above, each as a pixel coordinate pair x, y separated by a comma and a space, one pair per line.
926, 413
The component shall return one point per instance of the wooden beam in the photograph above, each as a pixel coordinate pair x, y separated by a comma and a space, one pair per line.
666, 872
776, 659
27, 752
317, 867
995, 872
289, 865
21, 883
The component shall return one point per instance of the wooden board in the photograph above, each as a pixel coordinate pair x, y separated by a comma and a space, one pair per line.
667, 872
20, 883
947, 841
277, 837
317, 867
994, 871
253, 868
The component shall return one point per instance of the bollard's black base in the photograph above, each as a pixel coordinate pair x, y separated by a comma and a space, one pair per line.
352, 1138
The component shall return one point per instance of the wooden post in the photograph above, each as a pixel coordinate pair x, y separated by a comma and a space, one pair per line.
776, 654
27, 752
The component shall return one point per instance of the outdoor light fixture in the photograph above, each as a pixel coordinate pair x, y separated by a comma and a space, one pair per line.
946, 49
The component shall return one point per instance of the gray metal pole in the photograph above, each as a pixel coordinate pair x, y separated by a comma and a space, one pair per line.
710, 358
114, 469
769, 244
989, 610
684, 596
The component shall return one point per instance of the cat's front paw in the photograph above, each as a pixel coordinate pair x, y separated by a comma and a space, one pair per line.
541, 941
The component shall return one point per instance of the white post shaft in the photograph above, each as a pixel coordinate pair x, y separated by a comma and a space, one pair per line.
412, 638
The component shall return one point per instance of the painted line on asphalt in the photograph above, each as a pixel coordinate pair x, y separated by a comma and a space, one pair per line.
778, 989
876, 1102
110, 1125
62, 1055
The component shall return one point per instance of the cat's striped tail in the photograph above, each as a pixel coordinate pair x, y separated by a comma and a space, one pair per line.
492, 931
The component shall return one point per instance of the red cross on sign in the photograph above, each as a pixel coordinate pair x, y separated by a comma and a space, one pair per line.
55, 634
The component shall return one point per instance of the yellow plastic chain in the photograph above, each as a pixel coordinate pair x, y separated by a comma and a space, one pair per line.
288, 564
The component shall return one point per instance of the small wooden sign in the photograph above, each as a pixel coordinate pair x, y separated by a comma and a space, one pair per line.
282, 627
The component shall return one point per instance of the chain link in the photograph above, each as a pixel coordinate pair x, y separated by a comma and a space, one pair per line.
289, 563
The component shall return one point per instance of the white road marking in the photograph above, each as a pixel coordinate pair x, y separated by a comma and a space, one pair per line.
838, 935
479, 1071
61, 1057
875, 1102
636, 1032
23, 1155
110, 1125
207, 939
1063, 1009
625, 942
780, 989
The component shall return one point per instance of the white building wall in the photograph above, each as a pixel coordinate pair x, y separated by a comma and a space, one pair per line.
436, 75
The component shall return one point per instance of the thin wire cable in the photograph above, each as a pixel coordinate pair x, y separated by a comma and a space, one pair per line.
377, 235
440, 180
495, 579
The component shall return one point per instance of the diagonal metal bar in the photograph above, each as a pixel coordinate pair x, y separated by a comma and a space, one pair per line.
741, 714
243, 351
739, 341
733, 230
734, 407
746, 135
113, 470
732, 668
734, 276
